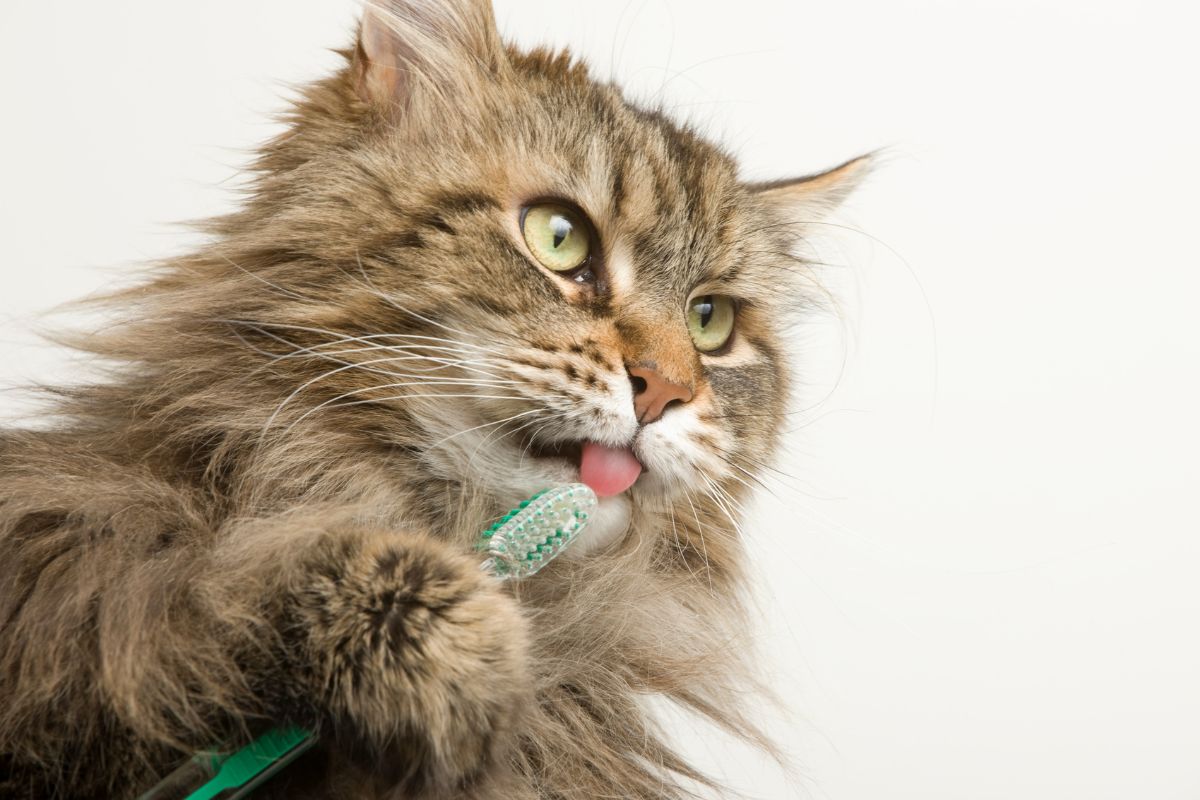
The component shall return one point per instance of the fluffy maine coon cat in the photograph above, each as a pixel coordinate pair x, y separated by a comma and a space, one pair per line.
465, 273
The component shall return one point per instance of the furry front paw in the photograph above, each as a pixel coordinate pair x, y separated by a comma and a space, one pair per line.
417, 657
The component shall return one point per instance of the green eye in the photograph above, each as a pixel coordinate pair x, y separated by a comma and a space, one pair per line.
557, 236
710, 321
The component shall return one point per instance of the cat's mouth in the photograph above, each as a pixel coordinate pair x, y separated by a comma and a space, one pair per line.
571, 451
607, 470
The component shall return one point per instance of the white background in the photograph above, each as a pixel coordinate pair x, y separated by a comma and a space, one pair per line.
979, 575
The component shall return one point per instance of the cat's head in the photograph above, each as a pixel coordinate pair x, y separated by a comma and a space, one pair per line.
497, 262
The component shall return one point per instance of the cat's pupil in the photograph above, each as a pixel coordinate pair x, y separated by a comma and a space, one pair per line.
704, 308
561, 227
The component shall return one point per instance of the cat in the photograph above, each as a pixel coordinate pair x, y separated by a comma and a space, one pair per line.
463, 274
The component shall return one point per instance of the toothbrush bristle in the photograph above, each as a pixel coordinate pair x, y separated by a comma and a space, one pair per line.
531, 535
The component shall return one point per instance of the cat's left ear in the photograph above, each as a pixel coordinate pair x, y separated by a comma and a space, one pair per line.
812, 197
409, 50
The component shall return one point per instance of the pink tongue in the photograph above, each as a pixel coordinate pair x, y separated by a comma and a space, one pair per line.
608, 470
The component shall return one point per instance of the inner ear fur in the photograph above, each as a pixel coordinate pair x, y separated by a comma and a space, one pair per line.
407, 48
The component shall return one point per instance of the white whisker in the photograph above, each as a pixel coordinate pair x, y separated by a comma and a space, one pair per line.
373, 400
687, 493
348, 366
445, 439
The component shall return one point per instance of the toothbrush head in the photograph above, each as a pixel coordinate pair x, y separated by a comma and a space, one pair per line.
532, 534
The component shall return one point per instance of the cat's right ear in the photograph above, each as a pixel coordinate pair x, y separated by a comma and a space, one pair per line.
412, 48
812, 197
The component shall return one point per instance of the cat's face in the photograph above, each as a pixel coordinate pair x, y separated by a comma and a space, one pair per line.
546, 282
662, 287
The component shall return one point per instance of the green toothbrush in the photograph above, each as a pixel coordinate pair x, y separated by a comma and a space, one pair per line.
517, 545
527, 538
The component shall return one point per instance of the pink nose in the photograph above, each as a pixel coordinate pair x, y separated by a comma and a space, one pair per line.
652, 393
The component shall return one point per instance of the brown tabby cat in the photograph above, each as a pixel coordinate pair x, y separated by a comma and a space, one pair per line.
465, 273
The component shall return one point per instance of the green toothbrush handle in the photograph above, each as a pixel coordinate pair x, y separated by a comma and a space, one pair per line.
226, 776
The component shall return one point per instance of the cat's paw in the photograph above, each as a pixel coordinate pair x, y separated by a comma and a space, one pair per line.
417, 656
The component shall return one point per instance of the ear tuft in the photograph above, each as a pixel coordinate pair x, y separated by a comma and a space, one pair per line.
406, 46
815, 196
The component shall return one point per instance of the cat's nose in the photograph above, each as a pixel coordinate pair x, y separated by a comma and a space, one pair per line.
652, 393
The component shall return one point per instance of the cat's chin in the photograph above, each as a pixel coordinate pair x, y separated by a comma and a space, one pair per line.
608, 525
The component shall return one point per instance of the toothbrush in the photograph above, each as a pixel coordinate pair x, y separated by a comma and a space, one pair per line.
529, 537
517, 546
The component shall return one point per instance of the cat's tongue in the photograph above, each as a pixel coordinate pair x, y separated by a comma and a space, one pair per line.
608, 470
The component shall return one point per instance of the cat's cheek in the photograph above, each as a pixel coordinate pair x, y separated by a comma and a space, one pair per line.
663, 449
608, 525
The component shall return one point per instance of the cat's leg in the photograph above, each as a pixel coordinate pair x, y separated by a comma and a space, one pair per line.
407, 658
414, 656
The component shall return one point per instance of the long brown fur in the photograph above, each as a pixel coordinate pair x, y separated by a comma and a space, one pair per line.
265, 514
